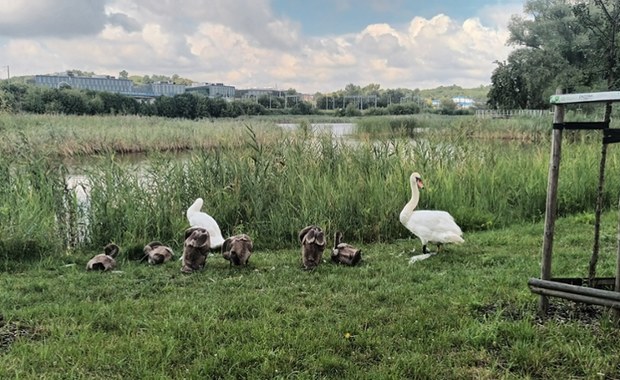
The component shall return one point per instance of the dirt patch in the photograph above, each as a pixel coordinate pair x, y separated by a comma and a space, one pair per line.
560, 311
10, 331
564, 311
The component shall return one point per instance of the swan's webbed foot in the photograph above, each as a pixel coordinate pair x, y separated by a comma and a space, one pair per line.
425, 250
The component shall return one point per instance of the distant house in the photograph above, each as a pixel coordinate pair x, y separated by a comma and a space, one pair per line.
307, 98
463, 102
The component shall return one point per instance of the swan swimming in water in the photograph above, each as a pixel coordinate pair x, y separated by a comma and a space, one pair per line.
196, 218
430, 226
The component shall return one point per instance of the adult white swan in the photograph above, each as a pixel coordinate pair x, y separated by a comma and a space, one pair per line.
196, 218
430, 226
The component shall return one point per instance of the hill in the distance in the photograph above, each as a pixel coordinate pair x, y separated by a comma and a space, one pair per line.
447, 92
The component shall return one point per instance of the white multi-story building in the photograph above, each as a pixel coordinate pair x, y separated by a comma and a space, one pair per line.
212, 90
109, 83
95, 83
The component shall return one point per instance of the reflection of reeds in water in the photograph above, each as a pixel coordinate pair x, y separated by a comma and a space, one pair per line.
270, 188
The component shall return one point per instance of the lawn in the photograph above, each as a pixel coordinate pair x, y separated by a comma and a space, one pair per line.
464, 314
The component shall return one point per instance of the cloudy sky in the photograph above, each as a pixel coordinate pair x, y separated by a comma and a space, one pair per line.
317, 45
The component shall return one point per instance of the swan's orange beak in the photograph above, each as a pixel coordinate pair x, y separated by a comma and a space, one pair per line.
419, 183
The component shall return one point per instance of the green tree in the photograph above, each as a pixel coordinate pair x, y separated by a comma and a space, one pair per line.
7, 102
352, 90
562, 43
508, 87
448, 106
371, 89
603, 21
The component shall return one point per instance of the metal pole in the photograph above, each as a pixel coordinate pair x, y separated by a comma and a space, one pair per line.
551, 205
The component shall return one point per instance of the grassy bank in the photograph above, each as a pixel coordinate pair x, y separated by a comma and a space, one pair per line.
464, 314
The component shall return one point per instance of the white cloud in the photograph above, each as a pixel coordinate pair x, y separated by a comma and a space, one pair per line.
42, 18
244, 44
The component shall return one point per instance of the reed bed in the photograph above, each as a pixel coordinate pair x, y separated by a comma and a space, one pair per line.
68, 136
271, 184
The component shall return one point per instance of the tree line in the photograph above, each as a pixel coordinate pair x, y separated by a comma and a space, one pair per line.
20, 97
566, 44
353, 101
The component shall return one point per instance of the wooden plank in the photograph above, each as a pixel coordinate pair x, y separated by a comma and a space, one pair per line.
551, 203
611, 136
590, 97
591, 292
597, 282
576, 297
617, 281
581, 125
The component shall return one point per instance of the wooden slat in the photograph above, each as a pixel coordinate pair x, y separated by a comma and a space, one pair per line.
591, 97
581, 125
576, 297
590, 292
611, 136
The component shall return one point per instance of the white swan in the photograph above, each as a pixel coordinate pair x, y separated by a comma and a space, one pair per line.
196, 218
430, 226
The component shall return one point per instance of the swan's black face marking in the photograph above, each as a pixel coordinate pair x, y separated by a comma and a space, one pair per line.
419, 182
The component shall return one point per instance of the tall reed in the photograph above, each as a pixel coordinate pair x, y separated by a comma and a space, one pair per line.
272, 191
68, 136
272, 185
35, 207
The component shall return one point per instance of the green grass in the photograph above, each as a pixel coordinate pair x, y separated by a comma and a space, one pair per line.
464, 314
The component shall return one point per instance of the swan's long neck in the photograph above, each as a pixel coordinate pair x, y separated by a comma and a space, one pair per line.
337, 239
411, 205
195, 207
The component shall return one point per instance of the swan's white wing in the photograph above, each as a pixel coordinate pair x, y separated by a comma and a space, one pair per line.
434, 226
201, 219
